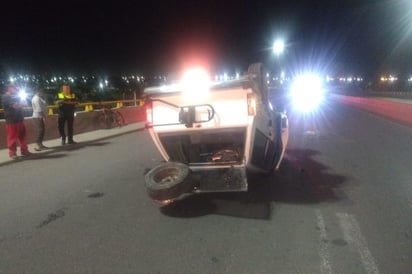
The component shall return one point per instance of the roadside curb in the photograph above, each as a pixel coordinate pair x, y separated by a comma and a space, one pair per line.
395, 110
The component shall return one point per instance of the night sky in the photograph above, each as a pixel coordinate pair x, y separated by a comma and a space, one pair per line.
359, 37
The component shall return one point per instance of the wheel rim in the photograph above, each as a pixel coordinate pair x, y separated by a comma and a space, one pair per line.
167, 175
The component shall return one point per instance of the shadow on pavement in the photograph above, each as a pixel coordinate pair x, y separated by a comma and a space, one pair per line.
302, 181
56, 152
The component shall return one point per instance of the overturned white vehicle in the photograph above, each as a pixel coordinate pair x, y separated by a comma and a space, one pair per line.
212, 138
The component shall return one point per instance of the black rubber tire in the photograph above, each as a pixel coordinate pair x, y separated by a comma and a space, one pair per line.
167, 181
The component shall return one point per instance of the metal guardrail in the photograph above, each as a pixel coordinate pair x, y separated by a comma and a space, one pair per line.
90, 106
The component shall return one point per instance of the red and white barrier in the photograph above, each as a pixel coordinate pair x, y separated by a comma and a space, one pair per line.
400, 110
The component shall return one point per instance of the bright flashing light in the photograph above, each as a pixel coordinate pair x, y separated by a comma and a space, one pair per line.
307, 92
22, 94
278, 47
195, 81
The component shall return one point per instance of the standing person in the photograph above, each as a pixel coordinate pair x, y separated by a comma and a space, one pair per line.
15, 127
67, 103
39, 106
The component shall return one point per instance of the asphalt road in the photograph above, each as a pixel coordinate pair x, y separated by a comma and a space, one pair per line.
341, 203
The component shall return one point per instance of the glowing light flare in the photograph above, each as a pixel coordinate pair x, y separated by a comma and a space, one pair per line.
307, 92
278, 47
195, 81
22, 94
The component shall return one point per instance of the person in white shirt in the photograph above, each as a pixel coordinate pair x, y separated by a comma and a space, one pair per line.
39, 106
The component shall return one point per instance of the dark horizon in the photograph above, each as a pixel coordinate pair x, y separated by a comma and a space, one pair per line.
358, 37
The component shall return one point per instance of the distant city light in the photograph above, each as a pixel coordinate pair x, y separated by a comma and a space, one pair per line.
29, 81
348, 79
222, 77
391, 78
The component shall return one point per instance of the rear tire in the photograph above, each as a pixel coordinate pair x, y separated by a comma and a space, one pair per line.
167, 181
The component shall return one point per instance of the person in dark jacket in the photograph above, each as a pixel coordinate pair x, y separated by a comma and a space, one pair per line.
66, 100
15, 127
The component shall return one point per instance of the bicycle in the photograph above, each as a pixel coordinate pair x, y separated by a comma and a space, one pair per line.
111, 118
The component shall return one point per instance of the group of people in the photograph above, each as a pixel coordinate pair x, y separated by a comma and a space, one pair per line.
13, 108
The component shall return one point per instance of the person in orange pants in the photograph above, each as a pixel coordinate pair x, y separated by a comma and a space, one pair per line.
14, 116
